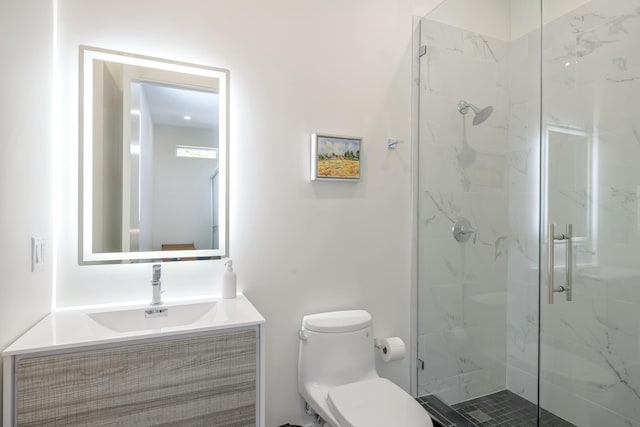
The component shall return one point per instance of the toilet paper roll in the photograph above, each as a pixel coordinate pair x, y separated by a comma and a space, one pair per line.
392, 348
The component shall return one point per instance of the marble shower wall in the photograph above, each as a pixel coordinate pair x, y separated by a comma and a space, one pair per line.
462, 286
591, 346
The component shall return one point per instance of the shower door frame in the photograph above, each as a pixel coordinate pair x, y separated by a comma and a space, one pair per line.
417, 53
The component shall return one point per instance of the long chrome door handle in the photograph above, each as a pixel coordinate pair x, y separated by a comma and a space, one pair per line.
551, 239
569, 285
550, 264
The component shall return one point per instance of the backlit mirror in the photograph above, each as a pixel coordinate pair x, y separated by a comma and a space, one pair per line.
154, 159
568, 178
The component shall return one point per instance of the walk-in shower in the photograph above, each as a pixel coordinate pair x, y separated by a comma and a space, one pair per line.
551, 87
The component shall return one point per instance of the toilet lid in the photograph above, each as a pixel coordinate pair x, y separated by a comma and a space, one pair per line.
337, 321
376, 403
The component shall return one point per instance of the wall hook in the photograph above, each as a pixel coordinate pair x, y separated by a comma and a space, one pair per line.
392, 143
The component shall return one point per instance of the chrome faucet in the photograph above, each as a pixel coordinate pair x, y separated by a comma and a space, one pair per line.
156, 285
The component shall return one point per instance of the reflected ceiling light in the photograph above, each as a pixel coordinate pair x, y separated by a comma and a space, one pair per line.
135, 112
187, 117
196, 152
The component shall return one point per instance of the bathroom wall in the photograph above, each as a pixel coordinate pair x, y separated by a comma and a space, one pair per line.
182, 188
25, 165
299, 247
489, 17
462, 286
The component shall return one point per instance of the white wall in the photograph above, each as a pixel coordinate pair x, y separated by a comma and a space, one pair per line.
502, 19
181, 187
487, 17
25, 167
298, 247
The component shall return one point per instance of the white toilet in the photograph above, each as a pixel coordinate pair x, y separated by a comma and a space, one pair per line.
338, 379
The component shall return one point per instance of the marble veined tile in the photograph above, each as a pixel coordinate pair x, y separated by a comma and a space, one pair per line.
440, 309
468, 385
440, 122
484, 47
448, 354
441, 170
578, 410
613, 30
522, 383
438, 212
447, 74
463, 42
441, 261
617, 214
572, 24
618, 156
615, 63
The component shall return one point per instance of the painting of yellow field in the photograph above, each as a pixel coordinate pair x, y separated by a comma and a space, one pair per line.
338, 157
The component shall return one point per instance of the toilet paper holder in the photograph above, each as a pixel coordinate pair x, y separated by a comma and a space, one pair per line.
390, 348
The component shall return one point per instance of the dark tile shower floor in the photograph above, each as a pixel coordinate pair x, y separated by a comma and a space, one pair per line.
504, 409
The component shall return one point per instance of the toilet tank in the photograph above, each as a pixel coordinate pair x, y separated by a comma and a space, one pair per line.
336, 348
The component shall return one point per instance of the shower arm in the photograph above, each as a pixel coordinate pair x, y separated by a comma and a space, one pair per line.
463, 107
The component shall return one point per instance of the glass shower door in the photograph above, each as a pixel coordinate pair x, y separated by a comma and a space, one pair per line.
590, 329
478, 211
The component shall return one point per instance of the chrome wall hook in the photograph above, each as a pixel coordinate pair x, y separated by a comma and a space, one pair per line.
392, 143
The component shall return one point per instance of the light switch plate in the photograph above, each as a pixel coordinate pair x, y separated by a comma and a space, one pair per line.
38, 253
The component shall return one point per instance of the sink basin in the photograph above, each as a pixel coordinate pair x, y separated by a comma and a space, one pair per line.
76, 328
163, 317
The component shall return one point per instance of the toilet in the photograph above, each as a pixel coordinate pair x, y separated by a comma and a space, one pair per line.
337, 377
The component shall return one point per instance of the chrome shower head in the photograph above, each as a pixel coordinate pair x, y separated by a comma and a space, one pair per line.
480, 115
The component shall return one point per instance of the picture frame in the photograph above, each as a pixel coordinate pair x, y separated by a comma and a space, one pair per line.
335, 158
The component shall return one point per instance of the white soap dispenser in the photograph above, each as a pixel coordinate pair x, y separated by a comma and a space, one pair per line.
229, 281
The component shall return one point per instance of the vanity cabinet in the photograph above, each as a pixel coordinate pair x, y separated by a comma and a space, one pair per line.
208, 379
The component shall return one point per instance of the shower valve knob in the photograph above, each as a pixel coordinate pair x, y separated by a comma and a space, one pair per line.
462, 230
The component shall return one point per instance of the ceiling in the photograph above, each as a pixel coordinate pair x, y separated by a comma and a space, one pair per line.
170, 104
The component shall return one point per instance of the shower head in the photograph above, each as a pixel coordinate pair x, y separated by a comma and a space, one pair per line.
480, 114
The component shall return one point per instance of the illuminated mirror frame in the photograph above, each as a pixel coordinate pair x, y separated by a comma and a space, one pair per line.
590, 240
85, 237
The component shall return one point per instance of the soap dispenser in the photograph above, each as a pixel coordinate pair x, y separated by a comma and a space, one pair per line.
229, 281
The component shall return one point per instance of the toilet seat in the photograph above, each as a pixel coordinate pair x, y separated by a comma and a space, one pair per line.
375, 402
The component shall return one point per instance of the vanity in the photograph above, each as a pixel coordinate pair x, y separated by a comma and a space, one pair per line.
153, 187
195, 363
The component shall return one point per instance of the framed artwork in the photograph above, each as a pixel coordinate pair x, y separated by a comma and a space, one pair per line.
335, 158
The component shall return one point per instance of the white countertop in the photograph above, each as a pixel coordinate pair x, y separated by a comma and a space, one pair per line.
77, 328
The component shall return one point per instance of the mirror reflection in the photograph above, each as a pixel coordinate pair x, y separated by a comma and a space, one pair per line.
154, 159
569, 180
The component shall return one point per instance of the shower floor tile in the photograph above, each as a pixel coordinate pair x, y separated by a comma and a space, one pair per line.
504, 409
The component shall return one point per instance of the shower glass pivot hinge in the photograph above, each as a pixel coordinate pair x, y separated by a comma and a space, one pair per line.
423, 51
420, 364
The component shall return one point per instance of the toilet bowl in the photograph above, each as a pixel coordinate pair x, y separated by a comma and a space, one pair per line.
338, 380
